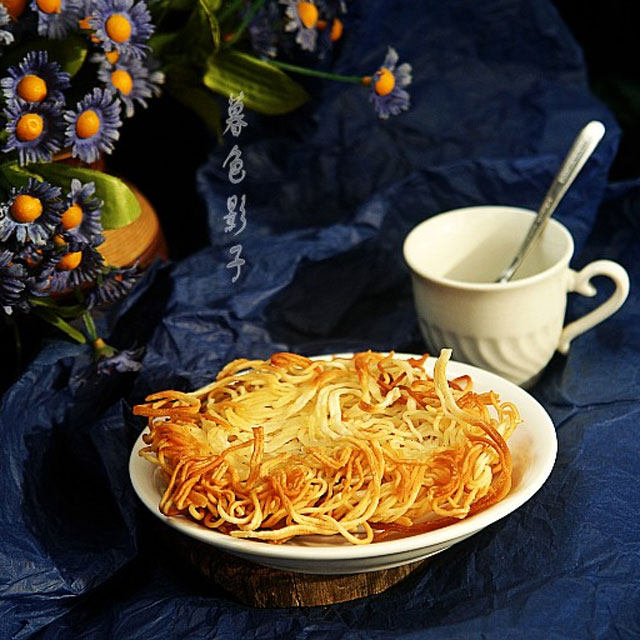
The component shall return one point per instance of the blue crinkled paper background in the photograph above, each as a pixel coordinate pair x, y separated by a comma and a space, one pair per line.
499, 92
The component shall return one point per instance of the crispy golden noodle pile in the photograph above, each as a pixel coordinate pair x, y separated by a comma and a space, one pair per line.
290, 446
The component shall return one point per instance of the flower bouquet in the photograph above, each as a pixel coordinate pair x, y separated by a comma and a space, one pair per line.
70, 70
255, 47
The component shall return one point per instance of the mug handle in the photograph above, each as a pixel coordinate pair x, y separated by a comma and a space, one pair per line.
579, 282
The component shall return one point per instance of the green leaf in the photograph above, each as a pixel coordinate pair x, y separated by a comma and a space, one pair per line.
200, 30
55, 320
120, 208
266, 89
65, 311
197, 98
16, 175
202, 33
70, 52
162, 43
207, 10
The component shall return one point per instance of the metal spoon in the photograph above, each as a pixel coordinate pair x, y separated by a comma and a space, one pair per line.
582, 147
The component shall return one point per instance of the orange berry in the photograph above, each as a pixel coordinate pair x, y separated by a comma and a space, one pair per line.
308, 13
122, 81
72, 217
118, 27
385, 82
15, 8
49, 6
336, 30
87, 124
29, 127
70, 261
26, 208
32, 88
112, 56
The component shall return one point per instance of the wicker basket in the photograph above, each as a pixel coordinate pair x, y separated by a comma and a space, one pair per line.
141, 241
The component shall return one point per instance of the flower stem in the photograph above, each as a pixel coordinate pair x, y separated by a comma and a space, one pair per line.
243, 25
314, 72
89, 325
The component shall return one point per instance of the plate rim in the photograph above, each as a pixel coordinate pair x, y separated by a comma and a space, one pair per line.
386, 548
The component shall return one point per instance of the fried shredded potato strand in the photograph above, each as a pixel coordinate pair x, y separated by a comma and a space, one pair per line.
368, 447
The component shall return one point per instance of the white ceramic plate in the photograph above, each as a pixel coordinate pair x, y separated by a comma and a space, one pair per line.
533, 449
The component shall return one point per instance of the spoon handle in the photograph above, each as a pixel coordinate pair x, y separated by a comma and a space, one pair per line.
582, 147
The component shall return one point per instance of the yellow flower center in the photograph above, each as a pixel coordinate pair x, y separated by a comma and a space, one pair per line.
308, 13
118, 28
87, 124
84, 23
32, 88
26, 208
112, 56
29, 127
15, 8
72, 217
70, 261
58, 240
336, 30
385, 81
122, 81
49, 6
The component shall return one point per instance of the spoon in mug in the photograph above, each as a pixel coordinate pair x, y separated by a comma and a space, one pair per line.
582, 147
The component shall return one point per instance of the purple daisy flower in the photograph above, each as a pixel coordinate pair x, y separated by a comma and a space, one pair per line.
112, 286
330, 26
302, 17
31, 214
387, 86
123, 25
6, 37
122, 361
133, 79
35, 79
57, 17
262, 30
73, 266
31, 255
80, 221
35, 131
12, 282
93, 126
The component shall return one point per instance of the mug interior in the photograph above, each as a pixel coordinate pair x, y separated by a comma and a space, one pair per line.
474, 245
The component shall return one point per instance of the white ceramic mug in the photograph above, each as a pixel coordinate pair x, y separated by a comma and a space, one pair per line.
510, 328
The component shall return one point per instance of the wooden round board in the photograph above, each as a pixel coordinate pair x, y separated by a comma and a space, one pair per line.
263, 587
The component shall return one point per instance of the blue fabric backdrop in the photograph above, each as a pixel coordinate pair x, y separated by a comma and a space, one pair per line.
499, 92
